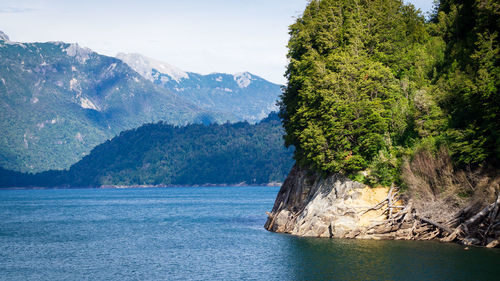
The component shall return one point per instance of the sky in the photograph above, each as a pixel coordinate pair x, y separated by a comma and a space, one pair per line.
202, 36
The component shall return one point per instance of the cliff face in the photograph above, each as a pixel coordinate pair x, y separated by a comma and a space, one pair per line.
309, 205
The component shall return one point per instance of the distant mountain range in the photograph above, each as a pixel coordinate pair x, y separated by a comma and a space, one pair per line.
59, 100
244, 95
162, 154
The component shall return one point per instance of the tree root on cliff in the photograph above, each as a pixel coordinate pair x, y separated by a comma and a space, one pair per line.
405, 223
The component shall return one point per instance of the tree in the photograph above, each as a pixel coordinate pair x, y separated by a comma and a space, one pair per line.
471, 79
345, 101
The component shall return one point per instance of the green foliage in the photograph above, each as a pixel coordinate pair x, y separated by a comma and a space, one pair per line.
58, 101
346, 99
369, 82
471, 79
162, 154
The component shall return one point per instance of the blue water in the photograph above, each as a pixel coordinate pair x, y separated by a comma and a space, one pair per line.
213, 233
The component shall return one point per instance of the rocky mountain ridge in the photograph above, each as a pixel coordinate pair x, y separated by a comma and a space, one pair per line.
244, 95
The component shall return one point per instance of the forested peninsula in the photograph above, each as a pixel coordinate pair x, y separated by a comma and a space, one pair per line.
395, 122
161, 154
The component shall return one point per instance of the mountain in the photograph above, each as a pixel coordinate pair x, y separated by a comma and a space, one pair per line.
246, 96
162, 154
59, 100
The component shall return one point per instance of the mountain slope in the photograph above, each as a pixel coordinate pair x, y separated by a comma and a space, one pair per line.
195, 154
246, 96
162, 154
59, 100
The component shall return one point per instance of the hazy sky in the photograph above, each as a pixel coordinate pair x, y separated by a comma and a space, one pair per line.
201, 36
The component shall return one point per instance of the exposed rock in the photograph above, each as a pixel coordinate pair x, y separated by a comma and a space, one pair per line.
240, 96
336, 207
81, 54
308, 205
145, 66
4, 36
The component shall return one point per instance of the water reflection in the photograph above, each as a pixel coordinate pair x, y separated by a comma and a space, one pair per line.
339, 259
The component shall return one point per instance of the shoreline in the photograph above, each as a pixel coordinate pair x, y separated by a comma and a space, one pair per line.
308, 205
271, 184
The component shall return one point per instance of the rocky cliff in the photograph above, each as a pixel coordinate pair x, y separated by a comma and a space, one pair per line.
336, 207
309, 205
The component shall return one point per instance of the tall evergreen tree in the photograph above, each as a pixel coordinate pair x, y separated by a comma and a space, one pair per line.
345, 101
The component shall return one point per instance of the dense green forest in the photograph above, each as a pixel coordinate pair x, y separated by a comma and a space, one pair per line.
372, 84
59, 100
162, 154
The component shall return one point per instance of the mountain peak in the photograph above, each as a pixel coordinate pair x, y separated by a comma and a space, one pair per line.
80, 53
243, 79
4, 36
144, 66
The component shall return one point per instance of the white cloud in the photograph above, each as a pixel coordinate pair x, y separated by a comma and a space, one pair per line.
14, 10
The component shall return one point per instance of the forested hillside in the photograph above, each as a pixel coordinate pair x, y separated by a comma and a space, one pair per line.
372, 85
163, 154
59, 100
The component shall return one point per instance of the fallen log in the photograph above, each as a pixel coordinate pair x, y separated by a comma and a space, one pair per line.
438, 225
410, 233
431, 235
397, 207
387, 200
495, 210
464, 227
477, 217
376, 207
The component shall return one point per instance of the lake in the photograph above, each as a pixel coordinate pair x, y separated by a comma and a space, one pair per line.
206, 233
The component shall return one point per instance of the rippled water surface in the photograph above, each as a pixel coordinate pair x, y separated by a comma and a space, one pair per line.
213, 233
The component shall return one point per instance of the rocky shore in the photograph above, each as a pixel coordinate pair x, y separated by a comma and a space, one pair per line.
337, 207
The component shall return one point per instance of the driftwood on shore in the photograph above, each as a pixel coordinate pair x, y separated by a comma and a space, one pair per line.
404, 222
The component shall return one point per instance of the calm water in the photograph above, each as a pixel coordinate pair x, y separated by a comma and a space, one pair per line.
199, 234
